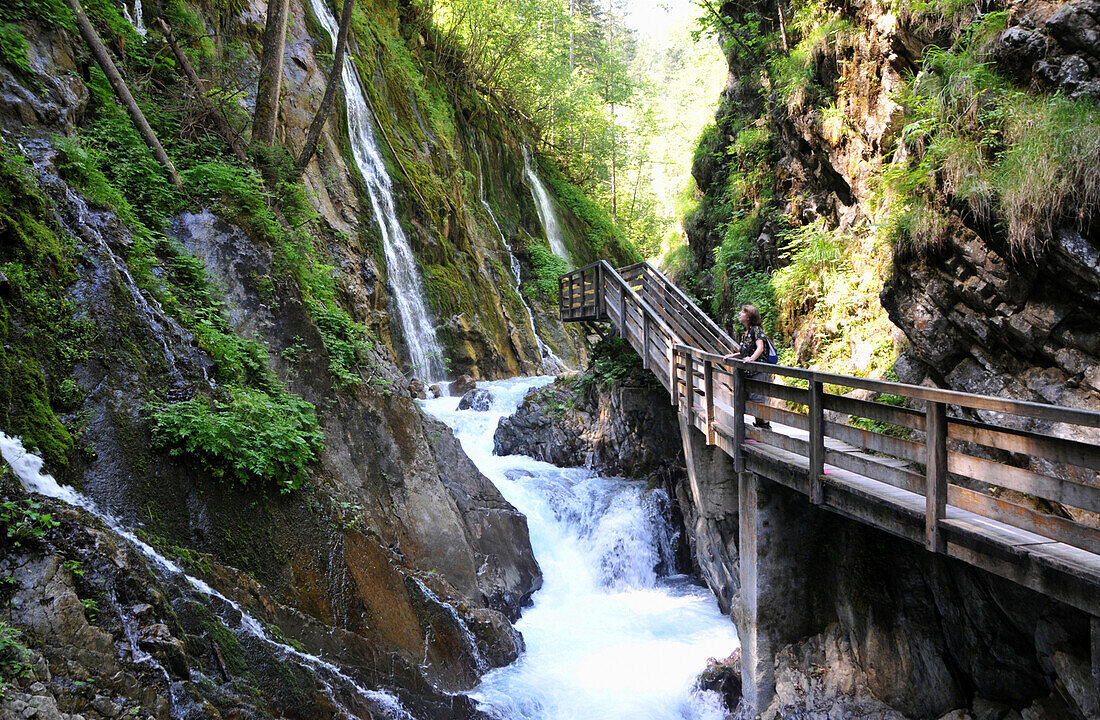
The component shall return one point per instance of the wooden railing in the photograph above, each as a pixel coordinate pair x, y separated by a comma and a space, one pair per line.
945, 458
917, 445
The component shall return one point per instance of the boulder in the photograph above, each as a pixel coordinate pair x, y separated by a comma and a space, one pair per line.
461, 385
434, 390
417, 390
477, 399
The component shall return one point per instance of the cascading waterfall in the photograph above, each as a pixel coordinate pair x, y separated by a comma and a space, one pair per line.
551, 363
406, 286
607, 637
28, 468
137, 19
82, 222
545, 208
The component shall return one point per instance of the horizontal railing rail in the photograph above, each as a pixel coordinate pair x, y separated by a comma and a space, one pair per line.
994, 464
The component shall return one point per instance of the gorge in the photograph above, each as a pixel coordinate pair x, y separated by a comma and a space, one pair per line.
267, 503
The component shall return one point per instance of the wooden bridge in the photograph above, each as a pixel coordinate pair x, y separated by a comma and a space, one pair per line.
934, 475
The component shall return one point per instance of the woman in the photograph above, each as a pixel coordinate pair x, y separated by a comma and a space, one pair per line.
752, 349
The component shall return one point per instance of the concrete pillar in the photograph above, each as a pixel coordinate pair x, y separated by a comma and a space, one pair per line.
778, 548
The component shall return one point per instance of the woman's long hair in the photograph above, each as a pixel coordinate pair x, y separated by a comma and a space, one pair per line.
753, 315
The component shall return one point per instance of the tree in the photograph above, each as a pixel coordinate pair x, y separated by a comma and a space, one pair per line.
122, 92
271, 73
329, 100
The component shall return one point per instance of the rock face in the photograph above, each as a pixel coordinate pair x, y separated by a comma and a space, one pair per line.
627, 428
396, 560
868, 625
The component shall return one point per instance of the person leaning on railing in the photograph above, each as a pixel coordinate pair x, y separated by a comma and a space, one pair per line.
753, 346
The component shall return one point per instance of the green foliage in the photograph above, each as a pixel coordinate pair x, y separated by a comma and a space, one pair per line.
547, 266
249, 437
24, 522
1022, 162
40, 339
605, 240
13, 49
49, 12
13, 657
241, 194
613, 359
814, 255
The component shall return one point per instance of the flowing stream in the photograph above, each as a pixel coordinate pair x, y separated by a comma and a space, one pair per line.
545, 208
28, 468
606, 637
551, 363
406, 285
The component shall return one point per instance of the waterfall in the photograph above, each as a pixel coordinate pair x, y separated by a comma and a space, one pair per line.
551, 363
607, 636
137, 20
406, 286
545, 207
28, 468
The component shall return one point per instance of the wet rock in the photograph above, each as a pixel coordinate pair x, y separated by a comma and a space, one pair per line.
507, 572
417, 390
169, 651
628, 428
723, 677
461, 385
478, 399
434, 390
498, 641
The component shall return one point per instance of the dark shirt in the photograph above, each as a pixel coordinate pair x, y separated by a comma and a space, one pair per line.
748, 342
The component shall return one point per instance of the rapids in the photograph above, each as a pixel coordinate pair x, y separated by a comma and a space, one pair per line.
607, 636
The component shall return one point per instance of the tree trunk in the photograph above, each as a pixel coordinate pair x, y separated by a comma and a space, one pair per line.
212, 112
103, 58
329, 99
271, 73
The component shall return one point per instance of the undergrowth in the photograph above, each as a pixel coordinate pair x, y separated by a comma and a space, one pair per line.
1001, 156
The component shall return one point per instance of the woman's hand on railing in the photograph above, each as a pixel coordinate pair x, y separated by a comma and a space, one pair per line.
731, 356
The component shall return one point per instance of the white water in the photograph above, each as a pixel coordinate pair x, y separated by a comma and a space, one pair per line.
545, 209
28, 468
406, 286
551, 363
137, 19
606, 638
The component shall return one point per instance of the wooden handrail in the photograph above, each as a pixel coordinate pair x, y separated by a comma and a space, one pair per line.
712, 391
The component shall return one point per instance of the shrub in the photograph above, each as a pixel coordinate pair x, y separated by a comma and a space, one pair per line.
251, 436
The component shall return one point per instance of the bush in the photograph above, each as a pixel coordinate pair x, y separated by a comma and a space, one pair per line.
250, 437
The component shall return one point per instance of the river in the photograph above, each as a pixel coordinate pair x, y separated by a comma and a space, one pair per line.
608, 636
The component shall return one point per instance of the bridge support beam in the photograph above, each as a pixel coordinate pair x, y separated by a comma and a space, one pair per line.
778, 543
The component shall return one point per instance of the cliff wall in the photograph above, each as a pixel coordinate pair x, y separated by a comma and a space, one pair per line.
221, 369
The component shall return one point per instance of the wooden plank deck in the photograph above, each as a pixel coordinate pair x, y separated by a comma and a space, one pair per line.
873, 478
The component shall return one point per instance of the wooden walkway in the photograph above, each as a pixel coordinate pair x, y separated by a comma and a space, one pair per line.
934, 468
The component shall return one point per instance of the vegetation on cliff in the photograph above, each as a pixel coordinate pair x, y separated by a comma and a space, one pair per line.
817, 181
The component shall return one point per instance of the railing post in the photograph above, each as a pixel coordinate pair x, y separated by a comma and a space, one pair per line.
817, 442
622, 310
708, 398
600, 310
561, 297
645, 340
674, 374
672, 369
738, 419
935, 486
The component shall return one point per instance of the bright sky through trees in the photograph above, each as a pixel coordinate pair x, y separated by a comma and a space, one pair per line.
618, 92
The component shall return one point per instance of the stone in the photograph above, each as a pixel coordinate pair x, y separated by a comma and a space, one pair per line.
724, 678
417, 390
434, 390
461, 385
478, 399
